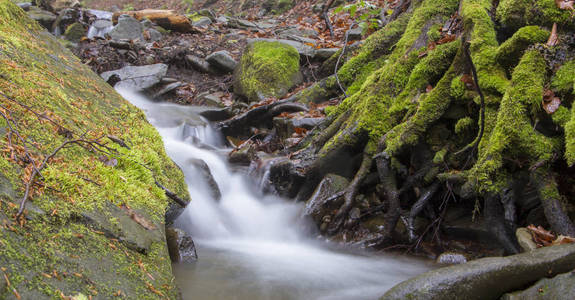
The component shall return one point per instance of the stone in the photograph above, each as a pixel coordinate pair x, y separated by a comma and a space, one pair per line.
354, 34
167, 89
199, 64
450, 258
211, 99
138, 77
325, 53
180, 246
65, 18
44, 17
561, 286
222, 61
153, 35
202, 22
244, 154
75, 32
525, 239
286, 126
57, 5
24, 5
128, 28
240, 23
294, 31
320, 204
487, 278
206, 173
267, 69
216, 114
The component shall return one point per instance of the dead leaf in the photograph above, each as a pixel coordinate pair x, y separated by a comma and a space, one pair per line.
551, 106
565, 4
540, 236
553, 39
139, 218
561, 239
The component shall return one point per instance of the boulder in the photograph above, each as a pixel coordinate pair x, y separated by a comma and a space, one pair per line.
487, 278
180, 246
320, 204
44, 17
305, 51
138, 77
128, 28
561, 286
267, 69
222, 61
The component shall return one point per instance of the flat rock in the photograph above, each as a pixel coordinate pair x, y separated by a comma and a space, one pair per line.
128, 28
487, 278
222, 61
138, 77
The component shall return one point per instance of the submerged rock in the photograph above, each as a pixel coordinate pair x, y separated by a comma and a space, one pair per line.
487, 278
180, 246
138, 77
267, 69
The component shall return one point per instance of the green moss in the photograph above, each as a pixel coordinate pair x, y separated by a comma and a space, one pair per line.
513, 135
563, 80
267, 69
457, 88
434, 32
439, 156
518, 13
37, 71
561, 116
510, 51
463, 125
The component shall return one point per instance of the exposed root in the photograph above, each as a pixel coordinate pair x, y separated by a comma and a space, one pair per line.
551, 202
418, 206
495, 218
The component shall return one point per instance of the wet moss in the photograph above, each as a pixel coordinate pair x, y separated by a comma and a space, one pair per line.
38, 72
267, 69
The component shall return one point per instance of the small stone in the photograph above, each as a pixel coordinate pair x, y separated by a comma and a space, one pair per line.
222, 60
450, 258
25, 5
100, 28
167, 89
202, 22
153, 35
354, 34
180, 246
199, 64
525, 240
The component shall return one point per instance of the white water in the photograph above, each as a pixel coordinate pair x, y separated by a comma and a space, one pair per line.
249, 246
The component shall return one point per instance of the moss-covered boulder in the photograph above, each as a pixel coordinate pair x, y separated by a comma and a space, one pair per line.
267, 69
94, 223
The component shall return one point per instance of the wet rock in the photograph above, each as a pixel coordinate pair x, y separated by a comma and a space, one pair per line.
128, 28
180, 246
320, 204
44, 17
202, 22
303, 49
173, 212
211, 99
138, 77
267, 69
450, 258
216, 114
559, 287
222, 61
167, 89
487, 278
135, 231
205, 172
75, 32
244, 154
280, 176
199, 64
100, 28
525, 240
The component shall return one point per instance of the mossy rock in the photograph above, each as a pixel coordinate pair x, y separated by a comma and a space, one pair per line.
75, 32
267, 69
57, 252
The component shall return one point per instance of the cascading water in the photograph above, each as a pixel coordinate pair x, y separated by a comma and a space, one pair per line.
249, 245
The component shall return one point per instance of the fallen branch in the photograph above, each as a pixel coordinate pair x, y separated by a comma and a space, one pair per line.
172, 195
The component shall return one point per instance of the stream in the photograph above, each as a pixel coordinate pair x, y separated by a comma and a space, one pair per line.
254, 246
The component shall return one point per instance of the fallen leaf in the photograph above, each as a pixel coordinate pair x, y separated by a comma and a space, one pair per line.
553, 39
551, 106
565, 4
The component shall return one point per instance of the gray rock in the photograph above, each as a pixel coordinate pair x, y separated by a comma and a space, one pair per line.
240, 23
524, 239
286, 126
206, 173
154, 35
136, 231
320, 203
202, 22
222, 20
44, 17
559, 287
244, 154
138, 77
65, 18
216, 114
305, 32
24, 5
180, 246
100, 28
450, 258
487, 278
128, 28
303, 49
354, 34
199, 64
167, 89
325, 53
222, 61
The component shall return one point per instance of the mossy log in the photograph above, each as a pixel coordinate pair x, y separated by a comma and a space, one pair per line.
409, 87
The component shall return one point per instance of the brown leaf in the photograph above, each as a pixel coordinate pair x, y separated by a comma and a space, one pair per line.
553, 39
541, 236
563, 240
551, 106
139, 218
565, 4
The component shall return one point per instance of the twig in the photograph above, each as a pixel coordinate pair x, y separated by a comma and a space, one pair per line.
325, 16
339, 59
172, 195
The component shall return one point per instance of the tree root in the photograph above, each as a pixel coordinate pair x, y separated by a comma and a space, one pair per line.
495, 222
551, 202
418, 206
